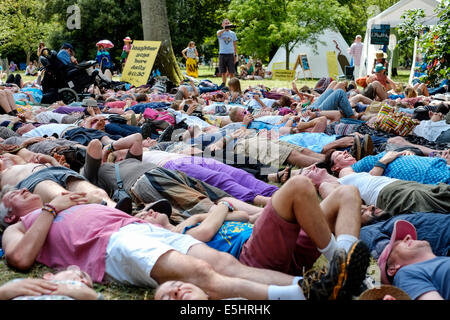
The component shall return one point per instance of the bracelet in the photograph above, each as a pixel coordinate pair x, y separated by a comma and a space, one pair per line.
110, 148
380, 165
317, 114
230, 207
50, 209
51, 206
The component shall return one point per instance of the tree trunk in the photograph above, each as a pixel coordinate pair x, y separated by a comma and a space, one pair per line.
156, 28
28, 53
288, 53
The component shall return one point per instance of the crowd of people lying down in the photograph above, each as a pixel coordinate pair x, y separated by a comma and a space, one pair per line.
231, 193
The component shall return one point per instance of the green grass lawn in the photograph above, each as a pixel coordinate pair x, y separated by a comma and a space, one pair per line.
206, 72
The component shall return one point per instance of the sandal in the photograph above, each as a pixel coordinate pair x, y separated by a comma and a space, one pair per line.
355, 151
281, 173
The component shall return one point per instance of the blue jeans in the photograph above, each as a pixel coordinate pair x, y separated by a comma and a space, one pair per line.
121, 129
334, 100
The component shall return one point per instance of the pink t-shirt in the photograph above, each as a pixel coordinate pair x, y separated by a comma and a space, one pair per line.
79, 236
119, 104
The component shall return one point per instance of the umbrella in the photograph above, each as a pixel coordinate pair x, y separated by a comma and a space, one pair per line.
105, 44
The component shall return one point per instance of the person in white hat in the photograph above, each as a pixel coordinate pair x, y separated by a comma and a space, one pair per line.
411, 265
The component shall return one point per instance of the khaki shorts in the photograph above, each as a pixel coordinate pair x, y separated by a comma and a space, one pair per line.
269, 152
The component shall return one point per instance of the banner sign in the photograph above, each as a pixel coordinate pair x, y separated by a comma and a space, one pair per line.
379, 34
140, 62
283, 74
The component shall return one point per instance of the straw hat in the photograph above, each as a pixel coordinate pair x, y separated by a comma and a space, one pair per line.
127, 39
379, 293
380, 54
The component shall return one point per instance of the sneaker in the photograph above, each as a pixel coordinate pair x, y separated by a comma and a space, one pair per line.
344, 277
357, 262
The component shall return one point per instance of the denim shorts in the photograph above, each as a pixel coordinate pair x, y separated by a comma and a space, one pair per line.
56, 174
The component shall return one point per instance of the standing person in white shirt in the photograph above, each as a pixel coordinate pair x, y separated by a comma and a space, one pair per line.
355, 51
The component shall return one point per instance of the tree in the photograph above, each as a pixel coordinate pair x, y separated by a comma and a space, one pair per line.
195, 20
433, 41
22, 25
156, 28
266, 23
359, 12
100, 19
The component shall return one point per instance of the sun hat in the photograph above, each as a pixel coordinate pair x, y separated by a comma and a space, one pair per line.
380, 54
402, 228
378, 293
127, 39
379, 67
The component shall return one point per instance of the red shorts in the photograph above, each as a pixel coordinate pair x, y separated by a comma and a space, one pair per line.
278, 245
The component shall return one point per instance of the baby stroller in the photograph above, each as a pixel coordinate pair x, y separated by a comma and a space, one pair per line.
67, 83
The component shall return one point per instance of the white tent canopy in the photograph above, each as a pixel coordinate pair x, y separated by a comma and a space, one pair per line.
392, 16
317, 61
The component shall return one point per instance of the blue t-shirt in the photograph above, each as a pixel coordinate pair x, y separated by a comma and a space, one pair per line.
230, 238
64, 56
314, 141
35, 92
429, 226
411, 168
260, 125
226, 41
419, 278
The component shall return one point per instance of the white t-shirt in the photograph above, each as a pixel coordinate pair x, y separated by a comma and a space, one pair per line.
431, 130
48, 130
46, 116
369, 186
255, 104
270, 119
159, 158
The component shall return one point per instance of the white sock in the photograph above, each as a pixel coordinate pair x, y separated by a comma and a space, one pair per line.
296, 280
292, 292
329, 250
346, 241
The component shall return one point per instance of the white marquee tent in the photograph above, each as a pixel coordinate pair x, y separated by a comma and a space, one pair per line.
392, 16
317, 61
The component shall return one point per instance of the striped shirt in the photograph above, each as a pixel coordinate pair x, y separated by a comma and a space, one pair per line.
356, 51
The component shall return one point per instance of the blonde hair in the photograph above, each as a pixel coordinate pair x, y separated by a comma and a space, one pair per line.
233, 114
235, 85
410, 92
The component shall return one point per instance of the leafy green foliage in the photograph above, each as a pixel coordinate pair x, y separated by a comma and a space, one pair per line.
100, 19
266, 23
22, 26
433, 41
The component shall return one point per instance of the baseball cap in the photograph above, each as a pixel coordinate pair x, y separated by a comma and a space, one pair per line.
402, 228
67, 46
379, 67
